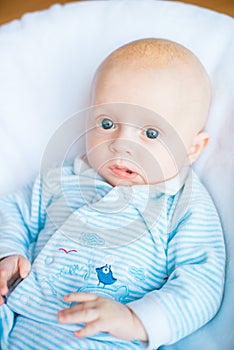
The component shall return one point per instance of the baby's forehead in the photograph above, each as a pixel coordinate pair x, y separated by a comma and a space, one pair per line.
151, 58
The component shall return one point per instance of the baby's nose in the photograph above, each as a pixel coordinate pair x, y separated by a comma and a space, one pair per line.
121, 146
125, 140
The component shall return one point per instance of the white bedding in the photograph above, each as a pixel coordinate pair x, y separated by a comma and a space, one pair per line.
47, 60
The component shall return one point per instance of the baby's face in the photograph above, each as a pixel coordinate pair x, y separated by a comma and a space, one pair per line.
138, 132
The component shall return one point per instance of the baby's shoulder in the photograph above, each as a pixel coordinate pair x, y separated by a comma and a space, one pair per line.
57, 176
195, 191
192, 202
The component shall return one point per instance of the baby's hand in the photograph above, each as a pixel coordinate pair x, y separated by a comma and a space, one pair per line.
102, 315
11, 268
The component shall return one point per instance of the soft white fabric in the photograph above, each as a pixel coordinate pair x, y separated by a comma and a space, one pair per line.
47, 60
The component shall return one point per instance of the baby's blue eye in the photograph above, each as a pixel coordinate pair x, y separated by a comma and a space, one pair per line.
107, 124
151, 133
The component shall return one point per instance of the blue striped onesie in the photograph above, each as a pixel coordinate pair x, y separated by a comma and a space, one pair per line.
157, 248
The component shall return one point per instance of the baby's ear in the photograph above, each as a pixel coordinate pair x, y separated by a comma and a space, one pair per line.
200, 142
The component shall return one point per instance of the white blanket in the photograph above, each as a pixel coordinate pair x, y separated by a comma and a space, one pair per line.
47, 60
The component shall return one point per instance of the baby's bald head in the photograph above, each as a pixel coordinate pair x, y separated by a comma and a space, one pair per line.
147, 53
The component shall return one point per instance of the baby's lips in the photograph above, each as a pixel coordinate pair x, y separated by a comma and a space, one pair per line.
124, 172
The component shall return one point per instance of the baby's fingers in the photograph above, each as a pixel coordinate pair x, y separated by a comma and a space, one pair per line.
80, 313
91, 328
80, 297
3, 281
24, 266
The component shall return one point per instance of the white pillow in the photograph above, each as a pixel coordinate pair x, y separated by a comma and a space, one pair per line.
47, 60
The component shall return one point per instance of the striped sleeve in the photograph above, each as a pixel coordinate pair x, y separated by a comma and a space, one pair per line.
22, 216
193, 292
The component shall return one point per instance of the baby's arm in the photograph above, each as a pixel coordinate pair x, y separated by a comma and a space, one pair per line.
102, 315
196, 269
21, 217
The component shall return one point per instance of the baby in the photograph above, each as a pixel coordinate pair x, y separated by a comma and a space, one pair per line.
123, 249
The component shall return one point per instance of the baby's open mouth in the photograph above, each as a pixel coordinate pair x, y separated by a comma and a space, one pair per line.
123, 172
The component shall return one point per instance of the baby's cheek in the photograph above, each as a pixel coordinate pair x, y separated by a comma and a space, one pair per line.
159, 164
